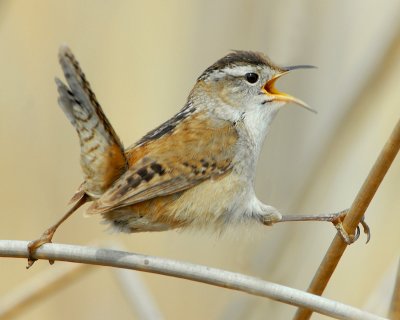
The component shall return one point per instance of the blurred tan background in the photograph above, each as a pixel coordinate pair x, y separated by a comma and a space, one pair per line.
142, 58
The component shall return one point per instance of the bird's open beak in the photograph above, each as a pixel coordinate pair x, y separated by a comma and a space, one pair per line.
270, 89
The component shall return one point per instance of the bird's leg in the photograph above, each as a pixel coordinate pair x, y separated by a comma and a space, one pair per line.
336, 219
49, 233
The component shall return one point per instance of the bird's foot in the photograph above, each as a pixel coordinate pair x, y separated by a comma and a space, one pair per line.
36, 244
337, 220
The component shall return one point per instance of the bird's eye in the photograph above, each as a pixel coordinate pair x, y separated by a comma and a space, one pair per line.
251, 77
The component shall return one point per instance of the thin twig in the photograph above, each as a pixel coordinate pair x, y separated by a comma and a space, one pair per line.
184, 270
353, 218
394, 312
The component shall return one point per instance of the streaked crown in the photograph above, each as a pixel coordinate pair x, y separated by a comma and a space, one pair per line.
239, 58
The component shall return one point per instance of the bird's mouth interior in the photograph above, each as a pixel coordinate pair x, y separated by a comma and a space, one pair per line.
270, 89
270, 86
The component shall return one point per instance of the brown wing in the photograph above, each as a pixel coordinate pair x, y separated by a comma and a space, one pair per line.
193, 151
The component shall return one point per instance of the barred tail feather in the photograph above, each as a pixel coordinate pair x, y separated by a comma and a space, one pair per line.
102, 154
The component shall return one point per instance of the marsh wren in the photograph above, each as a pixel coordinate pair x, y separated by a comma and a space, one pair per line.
197, 169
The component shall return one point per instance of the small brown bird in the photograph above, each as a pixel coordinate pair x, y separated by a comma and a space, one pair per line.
195, 170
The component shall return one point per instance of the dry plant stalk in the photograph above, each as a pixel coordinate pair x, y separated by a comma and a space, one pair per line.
353, 218
394, 312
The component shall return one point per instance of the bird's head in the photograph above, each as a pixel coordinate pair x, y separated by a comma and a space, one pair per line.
245, 81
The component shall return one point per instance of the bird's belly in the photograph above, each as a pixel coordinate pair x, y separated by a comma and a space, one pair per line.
212, 203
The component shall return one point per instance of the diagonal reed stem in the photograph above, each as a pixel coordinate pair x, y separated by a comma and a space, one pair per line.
353, 218
394, 312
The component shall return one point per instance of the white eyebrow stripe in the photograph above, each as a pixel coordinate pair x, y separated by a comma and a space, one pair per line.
234, 71
239, 70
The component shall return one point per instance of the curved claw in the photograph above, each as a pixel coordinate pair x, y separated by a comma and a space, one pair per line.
366, 229
357, 234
